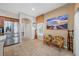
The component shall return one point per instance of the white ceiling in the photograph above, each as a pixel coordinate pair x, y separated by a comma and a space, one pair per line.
40, 8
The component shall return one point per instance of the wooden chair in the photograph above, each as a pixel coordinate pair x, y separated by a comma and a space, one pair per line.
58, 41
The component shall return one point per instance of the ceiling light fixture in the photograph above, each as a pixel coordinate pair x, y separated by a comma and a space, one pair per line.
33, 9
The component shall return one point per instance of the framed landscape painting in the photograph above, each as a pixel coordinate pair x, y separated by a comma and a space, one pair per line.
60, 22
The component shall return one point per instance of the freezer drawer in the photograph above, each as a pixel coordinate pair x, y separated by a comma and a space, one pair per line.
16, 40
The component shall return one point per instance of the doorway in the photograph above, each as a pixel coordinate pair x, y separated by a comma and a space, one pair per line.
26, 28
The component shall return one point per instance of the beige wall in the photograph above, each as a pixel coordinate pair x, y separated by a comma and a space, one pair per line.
76, 6
67, 9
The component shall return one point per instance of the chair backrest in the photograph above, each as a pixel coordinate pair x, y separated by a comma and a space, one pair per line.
58, 38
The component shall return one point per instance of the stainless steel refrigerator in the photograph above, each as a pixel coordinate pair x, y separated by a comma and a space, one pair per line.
11, 30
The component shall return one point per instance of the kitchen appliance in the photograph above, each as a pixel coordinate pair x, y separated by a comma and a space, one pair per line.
11, 30
1, 30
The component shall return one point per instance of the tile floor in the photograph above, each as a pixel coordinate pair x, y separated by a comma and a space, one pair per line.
34, 48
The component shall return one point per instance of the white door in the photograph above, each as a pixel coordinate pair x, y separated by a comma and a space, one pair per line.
27, 31
76, 33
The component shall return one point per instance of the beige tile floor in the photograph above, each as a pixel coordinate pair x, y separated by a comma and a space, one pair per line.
34, 48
